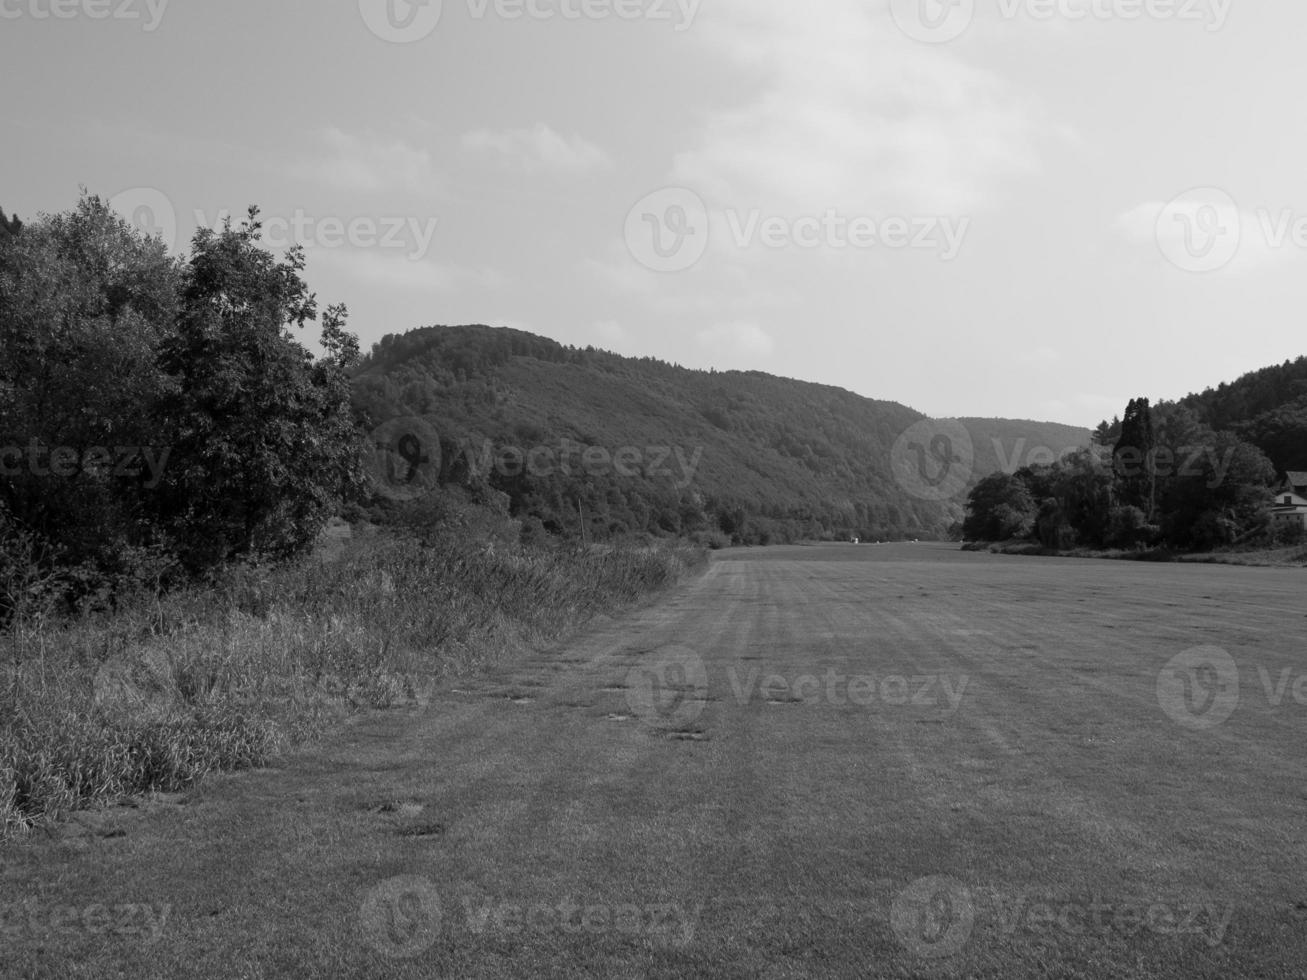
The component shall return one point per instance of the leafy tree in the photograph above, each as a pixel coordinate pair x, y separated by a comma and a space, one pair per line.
85, 300
1084, 490
1218, 496
999, 507
263, 440
1281, 433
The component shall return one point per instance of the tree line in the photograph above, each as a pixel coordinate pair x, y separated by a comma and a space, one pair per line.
1156, 477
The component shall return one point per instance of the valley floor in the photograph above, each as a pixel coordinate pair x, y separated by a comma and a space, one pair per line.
832, 760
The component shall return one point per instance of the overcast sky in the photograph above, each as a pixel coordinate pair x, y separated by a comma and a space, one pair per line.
1032, 208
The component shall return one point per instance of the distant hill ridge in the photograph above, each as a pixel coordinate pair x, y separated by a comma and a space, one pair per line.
751, 457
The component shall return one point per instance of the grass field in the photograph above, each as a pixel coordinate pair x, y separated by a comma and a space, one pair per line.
827, 761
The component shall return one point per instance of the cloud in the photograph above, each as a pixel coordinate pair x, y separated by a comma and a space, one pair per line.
539, 149
737, 337
398, 272
369, 164
1206, 230
851, 114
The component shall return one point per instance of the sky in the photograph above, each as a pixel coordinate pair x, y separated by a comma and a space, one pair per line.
1001, 208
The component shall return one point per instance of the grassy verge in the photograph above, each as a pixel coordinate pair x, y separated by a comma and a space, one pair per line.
1290, 557
167, 689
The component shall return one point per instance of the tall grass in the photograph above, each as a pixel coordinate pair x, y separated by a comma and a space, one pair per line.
169, 688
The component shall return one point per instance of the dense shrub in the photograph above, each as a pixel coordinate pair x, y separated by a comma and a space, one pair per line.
156, 412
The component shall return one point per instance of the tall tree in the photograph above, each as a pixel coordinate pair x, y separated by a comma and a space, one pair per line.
1134, 459
263, 439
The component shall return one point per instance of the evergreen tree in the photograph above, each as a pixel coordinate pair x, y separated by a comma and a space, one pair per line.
9, 227
1134, 458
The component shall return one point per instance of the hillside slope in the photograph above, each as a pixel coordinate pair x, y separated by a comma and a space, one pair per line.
751, 456
1267, 407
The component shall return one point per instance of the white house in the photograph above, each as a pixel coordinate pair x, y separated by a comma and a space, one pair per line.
1291, 500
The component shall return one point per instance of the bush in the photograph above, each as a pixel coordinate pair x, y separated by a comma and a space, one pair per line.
1287, 533
1127, 527
1213, 530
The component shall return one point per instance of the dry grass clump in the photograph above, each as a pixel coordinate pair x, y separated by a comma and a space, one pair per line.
169, 688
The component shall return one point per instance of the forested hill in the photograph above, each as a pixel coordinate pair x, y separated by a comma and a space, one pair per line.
748, 456
1267, 408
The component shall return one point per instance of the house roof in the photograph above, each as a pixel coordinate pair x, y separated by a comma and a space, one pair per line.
1296, 478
